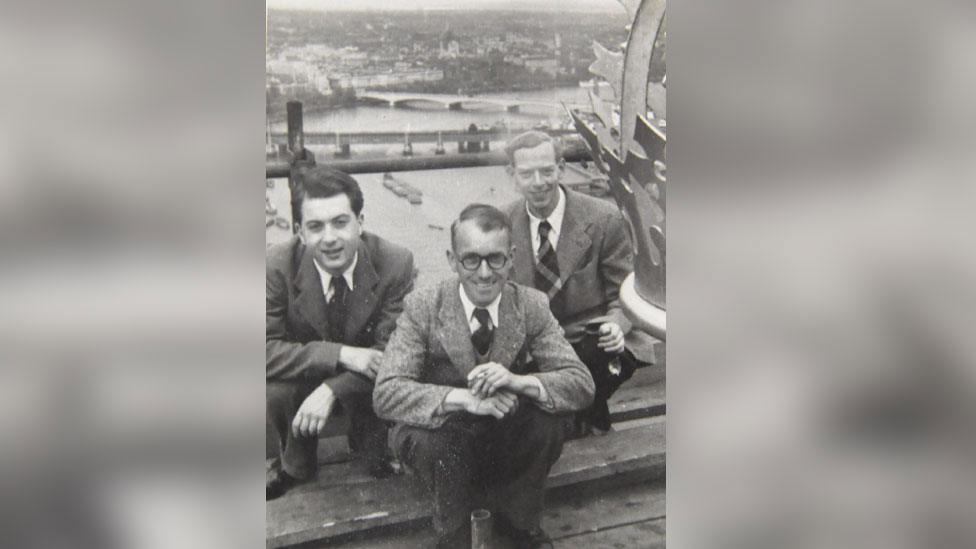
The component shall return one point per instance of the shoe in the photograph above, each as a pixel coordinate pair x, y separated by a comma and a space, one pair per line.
534, 538
278, 482
458, 539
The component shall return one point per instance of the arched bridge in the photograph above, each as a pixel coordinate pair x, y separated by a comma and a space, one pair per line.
456, 102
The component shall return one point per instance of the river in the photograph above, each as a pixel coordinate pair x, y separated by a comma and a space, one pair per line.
422, 228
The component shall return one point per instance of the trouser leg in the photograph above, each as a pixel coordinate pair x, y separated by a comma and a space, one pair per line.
367, 433
445, 461
524, 448
297, 454
597, 362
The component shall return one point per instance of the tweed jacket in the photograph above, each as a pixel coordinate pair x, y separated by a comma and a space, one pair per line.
594, 254
431, 352
297, 328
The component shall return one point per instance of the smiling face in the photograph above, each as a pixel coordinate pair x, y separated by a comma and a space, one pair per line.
331, 230
483, 284
536, 174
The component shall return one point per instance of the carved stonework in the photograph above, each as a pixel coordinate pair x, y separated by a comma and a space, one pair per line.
632, 152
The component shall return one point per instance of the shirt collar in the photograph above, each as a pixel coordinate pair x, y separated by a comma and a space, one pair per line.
555, 218
470, 307
327, 277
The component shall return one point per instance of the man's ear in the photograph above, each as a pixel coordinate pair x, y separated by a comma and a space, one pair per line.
450, 260
297, 229
561, 163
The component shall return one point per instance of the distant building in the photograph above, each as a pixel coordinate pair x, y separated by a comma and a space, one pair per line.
545, 64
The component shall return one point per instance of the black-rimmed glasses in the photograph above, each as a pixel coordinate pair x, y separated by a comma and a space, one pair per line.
472, 262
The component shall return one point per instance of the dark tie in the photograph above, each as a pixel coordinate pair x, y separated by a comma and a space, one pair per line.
337, 308
483, 335
547, 268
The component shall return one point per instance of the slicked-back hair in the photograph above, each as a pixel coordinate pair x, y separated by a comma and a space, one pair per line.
487, 218
528, 140
323, 182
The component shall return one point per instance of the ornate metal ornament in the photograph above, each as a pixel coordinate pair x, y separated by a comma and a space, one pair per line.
626, 137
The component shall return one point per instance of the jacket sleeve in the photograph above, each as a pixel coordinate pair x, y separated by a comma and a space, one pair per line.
616, 262
289, 360
392, 305
399, 395
568, 383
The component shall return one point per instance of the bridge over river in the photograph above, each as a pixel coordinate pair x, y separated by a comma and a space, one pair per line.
401, 136
461, 102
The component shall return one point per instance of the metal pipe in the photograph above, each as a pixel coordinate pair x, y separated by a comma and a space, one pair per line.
296, 134
278, 168
481, 529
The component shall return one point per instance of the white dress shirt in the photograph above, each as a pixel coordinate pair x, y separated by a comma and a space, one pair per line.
327, 278
555, 219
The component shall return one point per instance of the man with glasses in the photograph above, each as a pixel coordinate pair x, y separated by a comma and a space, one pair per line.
481, 383
575, 249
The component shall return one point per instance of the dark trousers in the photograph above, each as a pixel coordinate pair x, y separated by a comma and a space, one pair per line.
367, 433
473, 461
606, 382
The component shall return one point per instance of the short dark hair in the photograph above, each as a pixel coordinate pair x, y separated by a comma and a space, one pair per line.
323, 182
488, 218
530, 139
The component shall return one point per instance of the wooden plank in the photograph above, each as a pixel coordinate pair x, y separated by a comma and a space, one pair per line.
592, 512
637, 401
615, 453
581, 512
318, 510
643, 535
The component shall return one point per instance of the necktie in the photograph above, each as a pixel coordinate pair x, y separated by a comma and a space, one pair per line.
547, 268
481, 338
337, 308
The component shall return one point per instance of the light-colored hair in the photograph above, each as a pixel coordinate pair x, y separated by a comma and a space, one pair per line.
528, 140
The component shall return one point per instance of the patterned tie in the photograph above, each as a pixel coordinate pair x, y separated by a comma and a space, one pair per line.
547, 268
481, 338
337, 308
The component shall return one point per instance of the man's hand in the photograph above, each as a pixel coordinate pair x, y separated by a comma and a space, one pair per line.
361, 360
498, 405
314, 412
488, 378
611, 338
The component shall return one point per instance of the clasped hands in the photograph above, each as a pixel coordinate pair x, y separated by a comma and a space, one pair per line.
315, 410
494, 390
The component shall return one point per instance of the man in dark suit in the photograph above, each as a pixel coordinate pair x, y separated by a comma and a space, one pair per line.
333, 295
480, 383
575, 248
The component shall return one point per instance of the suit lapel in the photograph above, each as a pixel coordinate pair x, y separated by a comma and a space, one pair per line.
573, 242
309, 298
524, 265
452, 329
510, 333
362, 299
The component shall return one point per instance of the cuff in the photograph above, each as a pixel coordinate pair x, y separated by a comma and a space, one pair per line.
544, 400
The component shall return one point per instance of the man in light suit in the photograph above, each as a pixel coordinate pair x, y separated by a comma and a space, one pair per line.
333, 295
481, 383
575, 248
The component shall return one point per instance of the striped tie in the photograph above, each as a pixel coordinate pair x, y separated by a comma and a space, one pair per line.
546, 266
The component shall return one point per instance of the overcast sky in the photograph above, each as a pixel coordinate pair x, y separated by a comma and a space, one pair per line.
541, 5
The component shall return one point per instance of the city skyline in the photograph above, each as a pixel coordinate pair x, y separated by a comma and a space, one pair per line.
470, 5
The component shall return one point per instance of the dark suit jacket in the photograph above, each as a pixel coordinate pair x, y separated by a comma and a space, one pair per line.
595, 254
431, 352
296, 328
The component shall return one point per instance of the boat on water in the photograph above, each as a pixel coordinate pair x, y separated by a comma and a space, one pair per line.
402, 189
